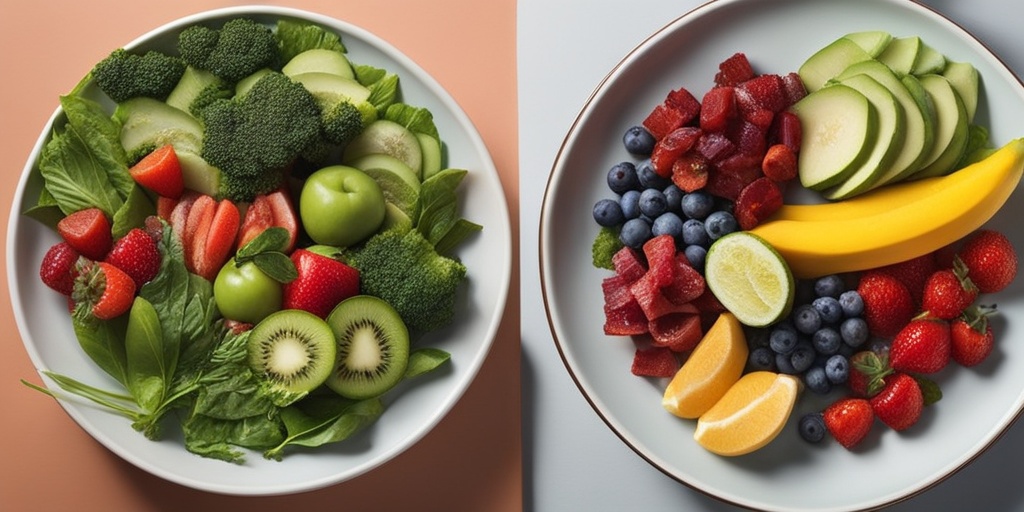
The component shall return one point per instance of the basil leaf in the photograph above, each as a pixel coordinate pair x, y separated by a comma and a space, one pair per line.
312, 427
459, 232
439, 205
277, 265
147, 374
137, 206
274, 238
425, 360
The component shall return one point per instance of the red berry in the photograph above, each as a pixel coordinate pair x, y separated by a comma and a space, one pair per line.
58, 267
868, 371
88, 231
668, 149
922, 346
654, 362
888, 305
734, 70
948, 292
690, 171
757, 201
321, 284
849, 420
913, 273
717, 108
106, 290
780, 163
971, 335
160, 171
990, 259
136, 254
900, 402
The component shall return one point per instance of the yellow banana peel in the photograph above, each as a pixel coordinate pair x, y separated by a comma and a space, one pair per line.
894, 223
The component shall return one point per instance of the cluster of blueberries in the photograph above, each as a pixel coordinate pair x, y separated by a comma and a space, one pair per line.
648, 205
818, 338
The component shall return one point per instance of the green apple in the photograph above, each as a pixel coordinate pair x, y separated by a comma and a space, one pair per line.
244, 293
340, 206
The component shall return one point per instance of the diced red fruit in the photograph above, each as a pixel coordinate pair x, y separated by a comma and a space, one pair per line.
660, 252
991, 260
734, 70
654, 362
690, 172
900, 402
757, 201
849, 420
88, 232
750, 140
106, 290
270, 210
57, 269
786, 129
708, 303
684, 102
137, 255
715, 147
653, 301
762, 92
922, 346
628, 264
616, 291
164, 207
888, 305
793, 87
732, 175
717, 108
678, 332
625, 320
321, 284
210, 232
780, 163
668, 149
687, 285
160, 171
971, 336
663, 120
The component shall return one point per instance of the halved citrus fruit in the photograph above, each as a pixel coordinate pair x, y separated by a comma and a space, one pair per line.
750, 414
750, 278
712, 368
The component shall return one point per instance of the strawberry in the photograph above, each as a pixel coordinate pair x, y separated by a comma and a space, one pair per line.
764, 92
690, 171
160, 171
715, 146
990, 259
913, 273
136, 253
88, 232
757, 201
971, 336
671, 147
58, 268
654, 362
793, 86
209, 234
321, 284
888, 305
717, 108
266, 210
849, 420
684, 102
922, 346
780, 163
948, 292
734, 70
868, 370
900, 402
104, 289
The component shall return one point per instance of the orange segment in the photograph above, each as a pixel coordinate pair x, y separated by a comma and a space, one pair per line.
750, 415
711, 369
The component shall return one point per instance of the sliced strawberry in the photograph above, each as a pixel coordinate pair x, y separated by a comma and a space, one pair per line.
764, 92
780, 163
160, 171
734, 70
717, 108
214, 240
654, 362
270, 210
58, 269
106, 290
793, 87
88, 232
679, 332
258, 217
691, 171
757, 201
136, 254
322, 283
164, 207
198, 217
671, 147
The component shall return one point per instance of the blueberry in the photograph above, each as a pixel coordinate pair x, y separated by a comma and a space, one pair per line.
852, 303
802, 356
653, 203
806, 319
674, 198
695, 234
854, 331
608, 213
784, 365
648, 178
630, 204
783, 339
826, 341
812, 427
719, 224
761, 358
837, 369
668, 223
829, 286
816, 380
635, 232
622, 177
696, 255
638, 141
698, 205
829, 309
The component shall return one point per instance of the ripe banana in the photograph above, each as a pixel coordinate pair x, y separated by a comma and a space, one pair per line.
894, 223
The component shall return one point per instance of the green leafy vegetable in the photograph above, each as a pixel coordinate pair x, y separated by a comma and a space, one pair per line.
439, 221
295, 37
324, 419
425, 360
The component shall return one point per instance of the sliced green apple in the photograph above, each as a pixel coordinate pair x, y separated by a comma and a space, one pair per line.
319, 60
839, 129
829, 61
872, 41
951, 127
901, 54
964, 78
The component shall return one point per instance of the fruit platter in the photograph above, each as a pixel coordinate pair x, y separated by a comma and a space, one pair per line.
257, 251
757, 251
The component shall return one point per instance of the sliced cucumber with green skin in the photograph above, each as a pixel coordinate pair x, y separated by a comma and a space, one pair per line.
331, 89
433, 159
829, 61
919, 118
243, 85
901, 54
872, 41
199, 175
888, 138
964, 78
389, 138
839, 127
146, 122
319, 60
929, 61
951, 127
192, 82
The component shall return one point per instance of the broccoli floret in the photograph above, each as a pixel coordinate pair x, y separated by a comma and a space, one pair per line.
606, 244
401, 267
342, 123
123, 75
236, 50
251, 138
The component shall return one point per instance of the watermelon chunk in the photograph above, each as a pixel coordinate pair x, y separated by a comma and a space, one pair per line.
687, 285
660, 252
628, 264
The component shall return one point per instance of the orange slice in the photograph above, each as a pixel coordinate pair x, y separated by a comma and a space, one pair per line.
750, 415
712, 368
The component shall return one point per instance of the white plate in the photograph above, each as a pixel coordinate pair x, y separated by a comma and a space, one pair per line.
411, 411
978, 404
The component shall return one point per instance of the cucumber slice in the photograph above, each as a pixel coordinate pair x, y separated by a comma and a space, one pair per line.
199, 175
872, 41
929, 61
147, 123
901, 54
964, 78
330, 89
193, 81
829, 61
432, 157
399, 184
951, 128
319, 60
243, 85
839, 129
390, 138
888, 140
918, 115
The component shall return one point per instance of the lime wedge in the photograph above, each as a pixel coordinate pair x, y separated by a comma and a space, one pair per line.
750, 278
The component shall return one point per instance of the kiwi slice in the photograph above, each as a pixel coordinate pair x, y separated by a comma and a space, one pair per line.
373, 347
293, 349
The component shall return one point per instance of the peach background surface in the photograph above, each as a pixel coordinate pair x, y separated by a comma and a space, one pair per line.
470, 461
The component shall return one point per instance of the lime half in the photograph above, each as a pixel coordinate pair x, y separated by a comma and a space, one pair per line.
750, 278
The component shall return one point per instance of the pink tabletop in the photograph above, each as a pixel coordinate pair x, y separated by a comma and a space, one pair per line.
470, 461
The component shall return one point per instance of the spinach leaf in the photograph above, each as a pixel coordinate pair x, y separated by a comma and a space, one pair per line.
324, 419
217, 438
102, 341
425, 360
147, 374
132, 214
